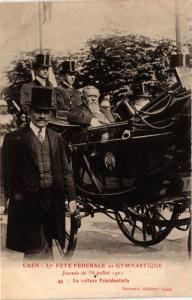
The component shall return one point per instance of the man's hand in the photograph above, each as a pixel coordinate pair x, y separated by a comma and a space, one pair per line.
72, 206
95, 122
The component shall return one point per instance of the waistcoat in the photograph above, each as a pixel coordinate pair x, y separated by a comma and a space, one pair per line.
44, 161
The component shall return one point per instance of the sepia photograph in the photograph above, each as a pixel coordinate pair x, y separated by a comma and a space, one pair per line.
95, 149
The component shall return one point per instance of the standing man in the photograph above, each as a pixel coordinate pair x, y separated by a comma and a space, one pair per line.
36, 180
40, 66
67, 97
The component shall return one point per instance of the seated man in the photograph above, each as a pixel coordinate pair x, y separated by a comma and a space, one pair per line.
90, 113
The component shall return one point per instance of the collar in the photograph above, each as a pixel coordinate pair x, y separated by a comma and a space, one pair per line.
67, 84
36, 129
42, 81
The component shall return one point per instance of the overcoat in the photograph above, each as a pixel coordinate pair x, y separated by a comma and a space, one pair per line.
26, 91
67, 97
82, 115
22, 183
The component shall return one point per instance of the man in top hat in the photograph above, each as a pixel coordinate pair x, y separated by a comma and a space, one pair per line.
36, 179
40, 66
67, 97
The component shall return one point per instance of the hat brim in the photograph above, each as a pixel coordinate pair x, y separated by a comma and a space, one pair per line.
41, 108
35, 66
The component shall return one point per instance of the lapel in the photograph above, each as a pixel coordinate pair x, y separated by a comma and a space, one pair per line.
27, 140
37, 83
52, 142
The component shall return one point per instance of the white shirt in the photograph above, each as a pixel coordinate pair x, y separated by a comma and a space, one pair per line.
36, 129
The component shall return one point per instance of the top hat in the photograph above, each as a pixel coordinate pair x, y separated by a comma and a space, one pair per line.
68, 66
41, 98
42, 60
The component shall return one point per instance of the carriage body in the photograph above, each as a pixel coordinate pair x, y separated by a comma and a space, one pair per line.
136, 168
130, 161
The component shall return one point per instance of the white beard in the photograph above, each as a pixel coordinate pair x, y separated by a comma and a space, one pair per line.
93, 107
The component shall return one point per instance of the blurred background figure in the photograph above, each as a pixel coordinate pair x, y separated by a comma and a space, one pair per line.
105, 103
143, 99
7, 121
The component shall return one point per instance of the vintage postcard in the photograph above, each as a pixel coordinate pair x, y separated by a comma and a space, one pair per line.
95, 110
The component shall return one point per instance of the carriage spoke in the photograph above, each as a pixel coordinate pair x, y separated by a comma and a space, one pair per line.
144, 232
153, 231
133, 229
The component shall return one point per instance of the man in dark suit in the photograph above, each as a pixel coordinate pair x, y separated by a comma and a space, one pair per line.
67, 97
37, 179
90, 113
40, 66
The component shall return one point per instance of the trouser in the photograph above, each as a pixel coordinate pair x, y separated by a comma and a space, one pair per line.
44, 199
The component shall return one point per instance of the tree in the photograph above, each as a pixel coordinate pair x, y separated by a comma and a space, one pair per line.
130, 60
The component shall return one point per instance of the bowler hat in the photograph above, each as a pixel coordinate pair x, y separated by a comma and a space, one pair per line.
41, 98
68, 66
42, 60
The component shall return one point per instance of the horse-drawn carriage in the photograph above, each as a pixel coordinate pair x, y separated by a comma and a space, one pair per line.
135, 171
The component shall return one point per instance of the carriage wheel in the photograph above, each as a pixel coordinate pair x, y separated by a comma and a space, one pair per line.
189, 242
72, 224
148, 224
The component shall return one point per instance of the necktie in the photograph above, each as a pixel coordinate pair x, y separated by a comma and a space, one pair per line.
40, 136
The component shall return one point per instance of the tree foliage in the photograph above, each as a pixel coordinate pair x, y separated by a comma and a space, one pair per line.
130, 60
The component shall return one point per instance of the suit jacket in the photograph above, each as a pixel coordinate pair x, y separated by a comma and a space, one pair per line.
26, 90
22, 183
82, 115
67, 98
